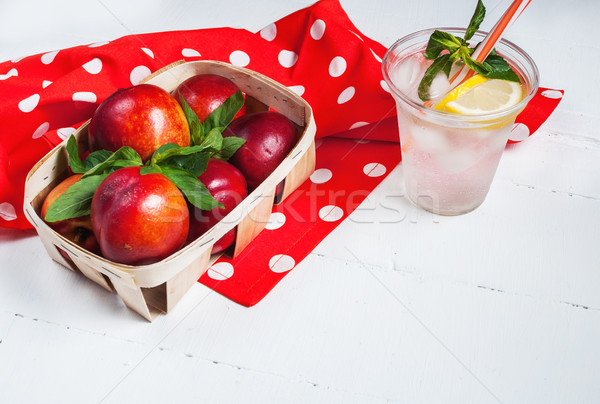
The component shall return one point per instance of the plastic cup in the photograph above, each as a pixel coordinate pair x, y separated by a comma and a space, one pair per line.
449, 160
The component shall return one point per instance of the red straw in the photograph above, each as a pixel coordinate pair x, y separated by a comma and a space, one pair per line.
492, 38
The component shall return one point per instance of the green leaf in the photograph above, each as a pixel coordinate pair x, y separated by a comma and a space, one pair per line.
498, 68
95, 158
169, 154
76, 201
476, 20
151, 169
195, 163
121, 164
196, 128
223, 115
213, 140
124, 157
472, 63
164, 151
193, 159
231, 144
75, 162
192, 187
440, 41
442, 63
494, 67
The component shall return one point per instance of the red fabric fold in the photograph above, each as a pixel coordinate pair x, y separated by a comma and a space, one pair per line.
316, 51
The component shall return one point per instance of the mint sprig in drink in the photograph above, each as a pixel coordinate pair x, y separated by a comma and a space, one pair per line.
452, 139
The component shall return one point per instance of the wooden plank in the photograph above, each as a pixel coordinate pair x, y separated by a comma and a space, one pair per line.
134, 299
254, 222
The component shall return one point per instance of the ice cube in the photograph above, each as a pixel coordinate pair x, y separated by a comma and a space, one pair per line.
457, 161
440, 86
429, 140
407, 75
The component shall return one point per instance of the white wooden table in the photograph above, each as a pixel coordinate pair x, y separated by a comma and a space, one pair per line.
500, 305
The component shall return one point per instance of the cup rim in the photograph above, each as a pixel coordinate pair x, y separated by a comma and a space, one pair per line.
449, 115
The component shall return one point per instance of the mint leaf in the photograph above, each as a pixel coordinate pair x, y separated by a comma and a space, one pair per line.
196, 128
124, 157
195, 163
76, 201
75, 162
122, 163
193, 159
445, 49
472, 64
440, 41
442, 63
223, 115
164, 151
202, 133
165, 147
231, 144
213, 140
194, 190
498, 68
95, 158
174, 153
476, 20
151, 169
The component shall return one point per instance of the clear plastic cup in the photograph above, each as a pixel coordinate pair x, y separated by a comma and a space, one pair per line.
449, 159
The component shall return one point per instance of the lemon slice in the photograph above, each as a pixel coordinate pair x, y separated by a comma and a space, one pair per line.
478, 96
458, 91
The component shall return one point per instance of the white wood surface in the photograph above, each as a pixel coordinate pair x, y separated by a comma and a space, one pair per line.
396, 305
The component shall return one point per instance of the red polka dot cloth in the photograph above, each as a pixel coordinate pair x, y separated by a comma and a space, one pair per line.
317, 52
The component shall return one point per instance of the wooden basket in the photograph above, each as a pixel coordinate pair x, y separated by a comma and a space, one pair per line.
153, 289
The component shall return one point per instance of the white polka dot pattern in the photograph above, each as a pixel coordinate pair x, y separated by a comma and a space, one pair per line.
190, 53
297, 89
41, 130
519, 132
94, 66
64, 133
29, 103
7, 211
281, 263
239, 58
287, 58
276, 220
337, 66
346, 95
317, 29
269, 32
385, 86
358, 124
148, 52
374, 170
220, 271
11, 73
48, 58
85, 96
331, 213
321, 176
552, 94
138, 74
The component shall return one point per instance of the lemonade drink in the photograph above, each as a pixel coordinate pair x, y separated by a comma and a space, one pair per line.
450, 154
